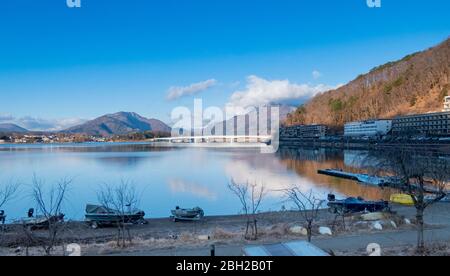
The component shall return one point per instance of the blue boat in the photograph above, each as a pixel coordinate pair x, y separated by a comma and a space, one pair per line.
356, 205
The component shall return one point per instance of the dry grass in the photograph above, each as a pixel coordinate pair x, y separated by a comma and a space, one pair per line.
432, 250
223, 234
278, 230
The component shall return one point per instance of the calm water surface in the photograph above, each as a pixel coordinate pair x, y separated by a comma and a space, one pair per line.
166, 178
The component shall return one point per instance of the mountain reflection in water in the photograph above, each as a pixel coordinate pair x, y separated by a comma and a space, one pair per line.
185, 177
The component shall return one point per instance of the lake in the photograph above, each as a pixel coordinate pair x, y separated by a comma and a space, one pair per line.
166, 177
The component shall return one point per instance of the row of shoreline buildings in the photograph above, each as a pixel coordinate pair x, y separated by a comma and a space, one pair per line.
429, 124
47, 139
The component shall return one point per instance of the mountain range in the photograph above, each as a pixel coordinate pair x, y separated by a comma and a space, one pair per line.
12, 128
418, 83
250, 123
119, 124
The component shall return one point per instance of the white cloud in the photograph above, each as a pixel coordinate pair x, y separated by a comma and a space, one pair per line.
316, 74
40, 124
271, 175
5, 117
259, 92
177, 92
65, 123
180, 186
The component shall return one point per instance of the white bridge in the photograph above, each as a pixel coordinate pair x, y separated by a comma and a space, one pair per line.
217, 139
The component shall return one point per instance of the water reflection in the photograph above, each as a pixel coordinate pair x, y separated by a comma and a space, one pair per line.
272, 173
185, 177
198, 190
123, 161
306, 163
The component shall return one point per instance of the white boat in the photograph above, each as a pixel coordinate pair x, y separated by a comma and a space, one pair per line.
180, 214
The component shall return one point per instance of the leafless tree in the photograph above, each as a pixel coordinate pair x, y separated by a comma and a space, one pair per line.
307, 204
250, 197
418, 175
123, 199
7, 192
50, 202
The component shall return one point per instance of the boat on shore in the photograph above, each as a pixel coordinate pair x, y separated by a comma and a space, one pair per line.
40, 222
402, 199
405, 199
356, 205
98, 216
193, 214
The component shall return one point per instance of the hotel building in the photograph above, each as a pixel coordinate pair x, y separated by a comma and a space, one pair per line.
430, 124
304, 131
368, 128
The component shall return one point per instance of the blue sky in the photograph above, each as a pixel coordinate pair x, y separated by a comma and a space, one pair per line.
58, 65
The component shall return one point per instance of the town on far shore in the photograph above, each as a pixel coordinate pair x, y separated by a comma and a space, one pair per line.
60, 138
426, 127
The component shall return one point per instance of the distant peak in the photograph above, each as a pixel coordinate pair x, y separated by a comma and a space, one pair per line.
120, 123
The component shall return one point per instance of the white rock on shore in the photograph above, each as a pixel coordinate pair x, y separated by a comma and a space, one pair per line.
377, 226
393, 224
204, 237
298, 230
325, 231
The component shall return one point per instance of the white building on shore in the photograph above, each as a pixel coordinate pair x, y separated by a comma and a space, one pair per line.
446, 104
368, 128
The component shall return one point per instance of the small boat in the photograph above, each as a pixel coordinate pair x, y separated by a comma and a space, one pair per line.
193, 214
2, 217
402, 199
97, 216
40, 222
355, 205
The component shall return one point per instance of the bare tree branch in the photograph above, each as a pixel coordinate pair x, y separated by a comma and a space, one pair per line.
420, 175
50, 204
250, 197
8, 192
308, 205
122, 198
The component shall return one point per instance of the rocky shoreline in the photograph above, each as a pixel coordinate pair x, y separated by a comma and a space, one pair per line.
164, 234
